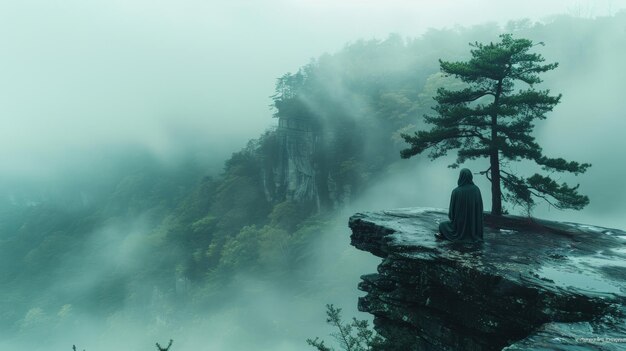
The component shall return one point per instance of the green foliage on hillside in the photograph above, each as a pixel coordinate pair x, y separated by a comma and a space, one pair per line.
179, 224
147, 230
370, 89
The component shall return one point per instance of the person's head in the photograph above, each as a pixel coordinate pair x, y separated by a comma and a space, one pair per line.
465, 177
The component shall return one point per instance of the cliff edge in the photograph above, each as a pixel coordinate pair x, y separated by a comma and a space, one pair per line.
532, 285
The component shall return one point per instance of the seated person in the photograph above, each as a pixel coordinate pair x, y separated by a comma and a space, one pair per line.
465, 213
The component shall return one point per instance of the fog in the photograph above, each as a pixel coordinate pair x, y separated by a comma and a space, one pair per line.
82, 76
86, 84
586, 126
254, 312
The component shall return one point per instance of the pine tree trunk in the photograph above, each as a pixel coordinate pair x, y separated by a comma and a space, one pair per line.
496, 193
494, 159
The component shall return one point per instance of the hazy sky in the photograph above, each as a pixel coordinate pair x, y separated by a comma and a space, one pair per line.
77, 75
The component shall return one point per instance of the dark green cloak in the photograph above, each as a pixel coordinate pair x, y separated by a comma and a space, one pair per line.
466, 211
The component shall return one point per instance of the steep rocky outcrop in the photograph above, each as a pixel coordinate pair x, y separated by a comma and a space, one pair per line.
297, 168
532, 285
295, 174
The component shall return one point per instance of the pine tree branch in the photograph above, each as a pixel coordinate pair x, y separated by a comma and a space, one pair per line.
334, 318
560, 165
445, 96
319, 345
161, 348
486, 173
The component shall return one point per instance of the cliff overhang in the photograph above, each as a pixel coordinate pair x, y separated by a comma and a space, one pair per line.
531, 285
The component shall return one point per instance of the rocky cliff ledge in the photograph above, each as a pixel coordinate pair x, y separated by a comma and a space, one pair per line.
532, 285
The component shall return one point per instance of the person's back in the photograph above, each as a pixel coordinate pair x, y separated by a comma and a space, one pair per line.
466, 211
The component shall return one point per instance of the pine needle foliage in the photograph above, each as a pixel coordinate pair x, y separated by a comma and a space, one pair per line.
493, 118
353, 336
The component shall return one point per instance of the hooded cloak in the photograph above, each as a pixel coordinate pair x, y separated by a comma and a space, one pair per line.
466, 211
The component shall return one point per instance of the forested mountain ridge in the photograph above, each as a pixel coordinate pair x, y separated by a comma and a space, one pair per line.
259, 213
179, 232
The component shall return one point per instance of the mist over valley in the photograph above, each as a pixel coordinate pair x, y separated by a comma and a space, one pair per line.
186, 170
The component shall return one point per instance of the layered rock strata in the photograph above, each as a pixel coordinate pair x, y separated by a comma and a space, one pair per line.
532, 285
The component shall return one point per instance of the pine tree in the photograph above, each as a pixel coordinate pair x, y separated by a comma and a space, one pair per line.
493, 118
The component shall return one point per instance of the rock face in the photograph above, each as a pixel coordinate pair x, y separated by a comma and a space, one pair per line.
296, 168
532, 285
295, 172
